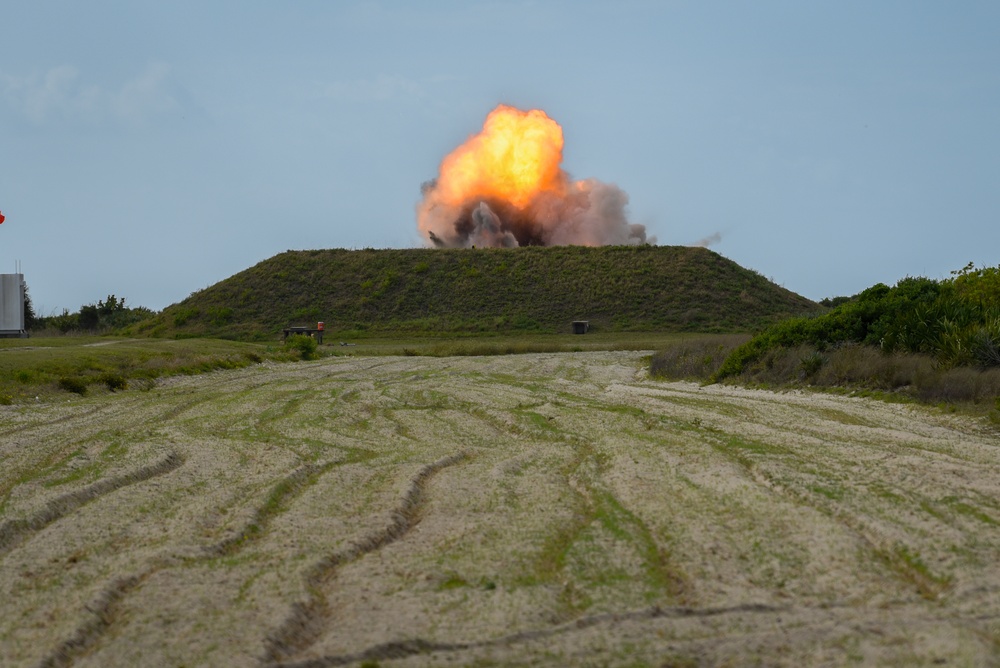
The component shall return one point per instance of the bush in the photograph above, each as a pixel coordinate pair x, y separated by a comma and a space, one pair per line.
183, 315
985, 344
220, 315
114, 381
73, 384
956, 321
305, 345
812, 363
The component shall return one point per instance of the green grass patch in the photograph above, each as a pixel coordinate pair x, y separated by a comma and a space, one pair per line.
911, 567
80, 365
539, 421
831, 492
967, 509
452, 581
754, 446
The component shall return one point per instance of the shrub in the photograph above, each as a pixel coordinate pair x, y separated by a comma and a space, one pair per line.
956, 321
73, 384
89, 317
220, 315
812, 363
183, 315
114, 381
985, 344
305, 345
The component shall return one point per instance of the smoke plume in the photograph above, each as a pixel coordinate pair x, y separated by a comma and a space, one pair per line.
713, 238
504, 187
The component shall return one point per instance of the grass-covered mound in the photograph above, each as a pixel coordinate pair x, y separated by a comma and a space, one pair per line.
616, 288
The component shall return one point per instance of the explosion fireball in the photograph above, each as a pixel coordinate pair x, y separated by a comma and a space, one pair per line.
504, 187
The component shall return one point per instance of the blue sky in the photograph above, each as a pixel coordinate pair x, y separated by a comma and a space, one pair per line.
151, 149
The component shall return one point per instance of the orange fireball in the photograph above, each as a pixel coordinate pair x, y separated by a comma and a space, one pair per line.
505, 187
513, 159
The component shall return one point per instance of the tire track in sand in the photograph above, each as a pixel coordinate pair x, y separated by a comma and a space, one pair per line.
759, 620
304, 625
402, 649
14, 532
103, 611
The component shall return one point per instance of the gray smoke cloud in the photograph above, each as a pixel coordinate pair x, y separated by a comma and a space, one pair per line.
713, 238
488, 229
588, 213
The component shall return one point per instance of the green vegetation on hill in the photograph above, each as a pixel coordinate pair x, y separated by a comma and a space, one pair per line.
935, 341
432, 291
956, 321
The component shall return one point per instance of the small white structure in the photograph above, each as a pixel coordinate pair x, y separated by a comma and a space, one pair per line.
12, 306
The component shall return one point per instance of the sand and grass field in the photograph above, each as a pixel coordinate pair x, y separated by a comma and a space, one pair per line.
544, 509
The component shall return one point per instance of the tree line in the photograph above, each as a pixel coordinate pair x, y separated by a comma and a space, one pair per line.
107, 314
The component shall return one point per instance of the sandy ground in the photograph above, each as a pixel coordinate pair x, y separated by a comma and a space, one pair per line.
550, 510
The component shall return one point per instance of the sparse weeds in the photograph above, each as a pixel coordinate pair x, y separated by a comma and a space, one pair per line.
696, 358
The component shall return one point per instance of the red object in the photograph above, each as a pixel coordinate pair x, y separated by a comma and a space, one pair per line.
319, 325
2, 219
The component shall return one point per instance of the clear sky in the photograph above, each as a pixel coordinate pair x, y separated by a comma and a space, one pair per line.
150, 149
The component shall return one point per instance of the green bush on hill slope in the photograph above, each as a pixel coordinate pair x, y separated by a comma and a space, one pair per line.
956, 321
533, 289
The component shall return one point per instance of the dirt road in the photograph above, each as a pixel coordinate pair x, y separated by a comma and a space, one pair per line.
552, 509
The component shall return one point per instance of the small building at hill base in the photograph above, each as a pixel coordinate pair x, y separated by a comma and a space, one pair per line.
12, 306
